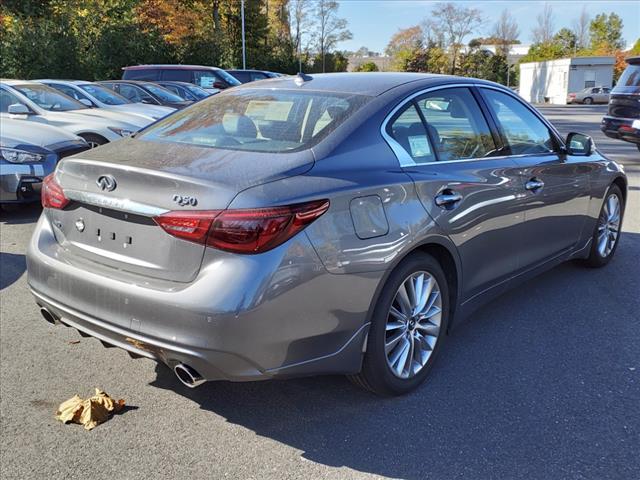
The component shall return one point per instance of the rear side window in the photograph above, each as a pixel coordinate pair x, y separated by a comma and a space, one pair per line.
410, 133
177, 75
149, 74
524, 132
456, 124
244, 77
257, 120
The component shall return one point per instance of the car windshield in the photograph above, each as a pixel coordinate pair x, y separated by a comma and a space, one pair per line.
49, 98
257, 120
104, 94
197, 91
230, 79
162, 93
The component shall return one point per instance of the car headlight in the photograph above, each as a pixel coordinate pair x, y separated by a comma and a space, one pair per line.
13, 155
123, 132
636, 124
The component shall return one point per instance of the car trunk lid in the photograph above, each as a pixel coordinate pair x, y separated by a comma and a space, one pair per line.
116, 190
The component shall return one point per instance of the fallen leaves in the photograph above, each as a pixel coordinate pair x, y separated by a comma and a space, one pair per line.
90, 412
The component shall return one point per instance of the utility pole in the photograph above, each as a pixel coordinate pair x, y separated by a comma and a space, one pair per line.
244, 54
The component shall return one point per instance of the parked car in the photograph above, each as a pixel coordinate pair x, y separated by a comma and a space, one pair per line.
27, 155
623, 118
590, 95
319, 224
246, 76
34, 102
210, 78
186, 91
99, 96
146, 92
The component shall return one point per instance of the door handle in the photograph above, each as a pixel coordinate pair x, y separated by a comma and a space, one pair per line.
447, 198
534, 185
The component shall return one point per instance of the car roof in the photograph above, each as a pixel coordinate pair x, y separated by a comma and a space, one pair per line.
64, 81
175, 82
135, 82
363, 83
170, 67
248, 70
13, 82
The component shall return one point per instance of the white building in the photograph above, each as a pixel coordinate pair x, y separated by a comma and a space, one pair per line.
551, 81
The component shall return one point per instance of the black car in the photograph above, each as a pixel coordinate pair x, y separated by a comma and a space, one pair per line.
185, 90
246, 76
146, 92
210, 78
623, 118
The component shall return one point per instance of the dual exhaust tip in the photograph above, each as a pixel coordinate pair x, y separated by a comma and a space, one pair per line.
186, 374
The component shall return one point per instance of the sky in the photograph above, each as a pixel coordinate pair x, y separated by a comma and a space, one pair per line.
373, 22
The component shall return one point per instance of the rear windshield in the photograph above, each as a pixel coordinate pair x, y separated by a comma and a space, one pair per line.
257, 120
630, 77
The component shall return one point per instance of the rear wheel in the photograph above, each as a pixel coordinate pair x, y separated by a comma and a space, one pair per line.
606, 235
408, 326
588, 101
94, 140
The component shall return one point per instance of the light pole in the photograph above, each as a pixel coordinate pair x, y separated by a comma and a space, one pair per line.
244, 55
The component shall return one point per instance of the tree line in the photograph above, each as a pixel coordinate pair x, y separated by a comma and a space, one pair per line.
442, 43
94, 39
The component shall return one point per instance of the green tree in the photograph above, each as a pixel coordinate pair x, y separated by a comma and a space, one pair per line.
367, 67
567, 42
605, 32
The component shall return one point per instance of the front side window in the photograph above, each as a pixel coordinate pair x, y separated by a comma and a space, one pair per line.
104, 94
135, 94
257, 120
69, 91
456, 125
162, 93
524, 132
49, 98
410, 133
6, 99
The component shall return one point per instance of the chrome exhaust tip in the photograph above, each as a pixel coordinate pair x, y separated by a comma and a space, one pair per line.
188, 376
49, 317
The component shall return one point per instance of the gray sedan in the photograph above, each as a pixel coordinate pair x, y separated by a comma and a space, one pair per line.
590, 95
338, 223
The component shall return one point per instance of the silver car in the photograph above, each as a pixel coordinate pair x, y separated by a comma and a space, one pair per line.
338, 223
590, 95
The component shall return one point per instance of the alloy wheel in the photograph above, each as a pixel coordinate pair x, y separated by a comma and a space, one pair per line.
609, 225
413, 324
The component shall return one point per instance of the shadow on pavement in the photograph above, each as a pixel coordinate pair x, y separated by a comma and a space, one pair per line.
12, 266
19, 214
540, 384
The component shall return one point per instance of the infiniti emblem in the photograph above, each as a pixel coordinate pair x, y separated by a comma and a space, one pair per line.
106, 183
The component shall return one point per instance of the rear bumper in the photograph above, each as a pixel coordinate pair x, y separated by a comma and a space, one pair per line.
621, 128
241, 319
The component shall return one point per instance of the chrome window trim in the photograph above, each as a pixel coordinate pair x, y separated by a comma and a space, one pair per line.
123, 205
405, 160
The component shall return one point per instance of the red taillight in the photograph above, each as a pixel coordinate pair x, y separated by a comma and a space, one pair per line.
242, 231
52, 195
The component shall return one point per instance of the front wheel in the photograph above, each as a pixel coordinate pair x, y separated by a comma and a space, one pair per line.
588, 101
408, 326
606, 235
94, 140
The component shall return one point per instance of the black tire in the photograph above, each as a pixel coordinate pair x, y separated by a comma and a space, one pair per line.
376, 374
94, 140
587, 101
595, 258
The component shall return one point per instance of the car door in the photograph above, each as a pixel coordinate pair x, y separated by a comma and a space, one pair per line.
556, 185
446, 145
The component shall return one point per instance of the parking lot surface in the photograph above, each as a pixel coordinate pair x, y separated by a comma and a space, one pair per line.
542, 383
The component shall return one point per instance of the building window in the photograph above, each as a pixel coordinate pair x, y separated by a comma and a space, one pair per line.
589, 78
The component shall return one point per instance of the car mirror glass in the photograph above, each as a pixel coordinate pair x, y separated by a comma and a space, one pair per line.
579, 144
18, 109
86, 102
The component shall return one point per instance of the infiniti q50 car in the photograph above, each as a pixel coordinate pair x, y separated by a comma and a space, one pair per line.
338, 223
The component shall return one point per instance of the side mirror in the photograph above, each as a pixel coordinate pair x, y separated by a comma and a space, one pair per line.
86, 102
579, 144
18, 109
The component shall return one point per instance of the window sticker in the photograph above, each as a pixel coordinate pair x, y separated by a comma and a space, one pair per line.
268, 110
207, 82
419, 146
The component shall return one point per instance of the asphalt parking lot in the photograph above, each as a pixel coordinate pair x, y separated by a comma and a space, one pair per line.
544, 383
